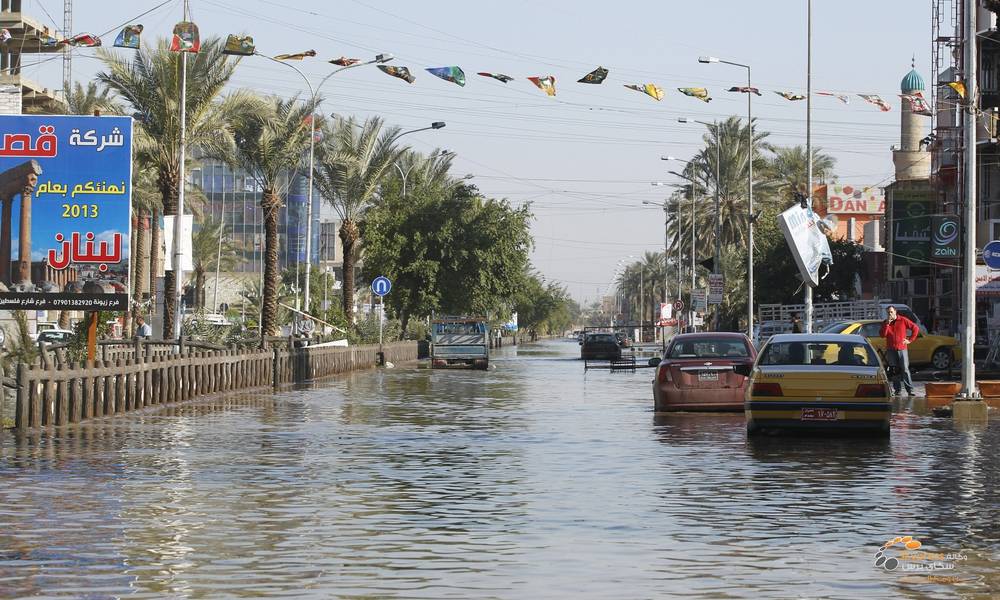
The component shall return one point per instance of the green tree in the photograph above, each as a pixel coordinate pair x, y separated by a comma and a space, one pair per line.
149, 83
353, 162
210, 248
270, 139
789, 169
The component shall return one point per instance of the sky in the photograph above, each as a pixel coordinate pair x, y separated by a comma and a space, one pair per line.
585, 159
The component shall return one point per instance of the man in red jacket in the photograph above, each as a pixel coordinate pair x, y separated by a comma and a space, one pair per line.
895, 330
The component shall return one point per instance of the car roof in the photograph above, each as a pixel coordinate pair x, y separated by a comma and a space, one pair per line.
832, 338
709, 335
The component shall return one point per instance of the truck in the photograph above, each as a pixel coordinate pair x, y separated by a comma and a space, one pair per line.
460, 342
776, 318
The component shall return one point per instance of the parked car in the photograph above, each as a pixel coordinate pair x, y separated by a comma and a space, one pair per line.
697, 372
55, 336
937, 351
600, 346
795, 385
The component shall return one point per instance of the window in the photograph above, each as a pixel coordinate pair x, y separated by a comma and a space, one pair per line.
818, 353
871, 330
709, 348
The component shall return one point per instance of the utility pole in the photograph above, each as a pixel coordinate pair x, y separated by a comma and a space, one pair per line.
178, 262
809, 154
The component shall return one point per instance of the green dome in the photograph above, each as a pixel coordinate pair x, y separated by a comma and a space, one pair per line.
912, 82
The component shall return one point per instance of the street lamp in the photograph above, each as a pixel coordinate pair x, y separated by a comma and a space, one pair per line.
750, 217
718, 214
694, 186
314, 100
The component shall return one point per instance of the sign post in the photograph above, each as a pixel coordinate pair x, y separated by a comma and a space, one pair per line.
991, 255
380, 287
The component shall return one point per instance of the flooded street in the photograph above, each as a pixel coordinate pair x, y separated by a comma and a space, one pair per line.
532, 480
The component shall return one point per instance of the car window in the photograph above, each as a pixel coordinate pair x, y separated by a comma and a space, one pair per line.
602, 338
871, 329
818, 353
709, 348
837, 327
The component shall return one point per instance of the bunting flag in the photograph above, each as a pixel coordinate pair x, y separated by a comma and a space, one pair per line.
745, 90
547, 84
47, 41
498, 76
85, 40
699, 93
5, 36
790, 96
959, 88
400, 72
128, 37
918, 104
651, 89
239, 45
597, 76
877, 101
842, 97
453, 74
186, 38
343, 61
296, 56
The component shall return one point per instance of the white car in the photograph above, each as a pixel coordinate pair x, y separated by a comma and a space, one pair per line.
55, 336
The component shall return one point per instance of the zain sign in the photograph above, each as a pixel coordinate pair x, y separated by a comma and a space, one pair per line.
945, 242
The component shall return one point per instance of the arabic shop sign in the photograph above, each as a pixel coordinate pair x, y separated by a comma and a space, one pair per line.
945, 241
911, 225
65, 191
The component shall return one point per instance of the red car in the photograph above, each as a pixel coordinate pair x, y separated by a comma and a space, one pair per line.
696, 372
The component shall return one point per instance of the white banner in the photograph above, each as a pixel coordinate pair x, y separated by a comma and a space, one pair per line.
808, 244
187, 253
716, 285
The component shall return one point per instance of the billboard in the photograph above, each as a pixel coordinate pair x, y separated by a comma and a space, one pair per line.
945, 242
65, 227
854, 200
808, 244
910, 224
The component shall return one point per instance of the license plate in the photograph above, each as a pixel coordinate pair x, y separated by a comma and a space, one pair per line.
819, 414
708, 376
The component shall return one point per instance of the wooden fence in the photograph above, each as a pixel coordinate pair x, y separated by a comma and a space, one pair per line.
54, 395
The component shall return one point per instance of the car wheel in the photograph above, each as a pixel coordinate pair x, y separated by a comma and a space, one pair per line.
941, 359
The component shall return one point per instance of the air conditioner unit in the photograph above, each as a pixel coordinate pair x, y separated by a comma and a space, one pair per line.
994, 229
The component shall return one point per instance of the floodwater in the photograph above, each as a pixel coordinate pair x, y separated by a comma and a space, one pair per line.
533, 480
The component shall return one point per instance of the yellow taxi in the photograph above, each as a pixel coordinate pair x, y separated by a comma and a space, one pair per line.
937, 351
817, 381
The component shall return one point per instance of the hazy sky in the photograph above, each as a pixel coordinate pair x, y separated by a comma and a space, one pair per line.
585, 159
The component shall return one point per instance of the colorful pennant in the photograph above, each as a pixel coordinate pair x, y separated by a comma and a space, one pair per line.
651, 89
47, 41
596, 76
186, 38
5, 36
453, 74
239, 45
84, 40
791, 96
959, 88
547, 84
343, 61
842, 97
498, 76
877, 101
400, 72
918, 104
696, 92
745, 90
128, 37
296, 56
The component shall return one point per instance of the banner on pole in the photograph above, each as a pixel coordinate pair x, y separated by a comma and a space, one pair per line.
716, 285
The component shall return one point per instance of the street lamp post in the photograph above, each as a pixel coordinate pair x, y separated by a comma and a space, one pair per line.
716, 266
314, 100
750, 217
694, 191
666, 249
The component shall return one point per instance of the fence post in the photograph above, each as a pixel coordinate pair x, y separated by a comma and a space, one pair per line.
21, 414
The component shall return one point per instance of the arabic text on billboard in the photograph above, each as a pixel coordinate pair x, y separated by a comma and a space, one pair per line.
66, 186
854, 200
911, 226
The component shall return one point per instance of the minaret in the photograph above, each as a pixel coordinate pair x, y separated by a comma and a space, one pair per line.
911, 161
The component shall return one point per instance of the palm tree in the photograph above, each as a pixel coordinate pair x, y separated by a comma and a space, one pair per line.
790, 170
353, 162
270, 139
208, 256
150, 84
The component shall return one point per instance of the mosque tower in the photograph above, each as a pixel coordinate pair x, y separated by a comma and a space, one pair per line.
911, 161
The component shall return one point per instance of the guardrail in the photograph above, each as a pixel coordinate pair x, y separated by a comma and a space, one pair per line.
59, 392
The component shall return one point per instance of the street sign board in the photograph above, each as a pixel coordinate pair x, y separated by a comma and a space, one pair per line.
67, 180
381, 286
678, 305
991, 254
665, 310
699, 300
716, 285
809, 246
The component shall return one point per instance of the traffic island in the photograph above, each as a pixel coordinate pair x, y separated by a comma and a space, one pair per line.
969, 410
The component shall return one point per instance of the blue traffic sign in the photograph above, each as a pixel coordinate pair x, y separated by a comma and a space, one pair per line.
381, 285
991, 254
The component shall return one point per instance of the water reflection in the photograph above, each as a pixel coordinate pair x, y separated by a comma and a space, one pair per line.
531, 480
